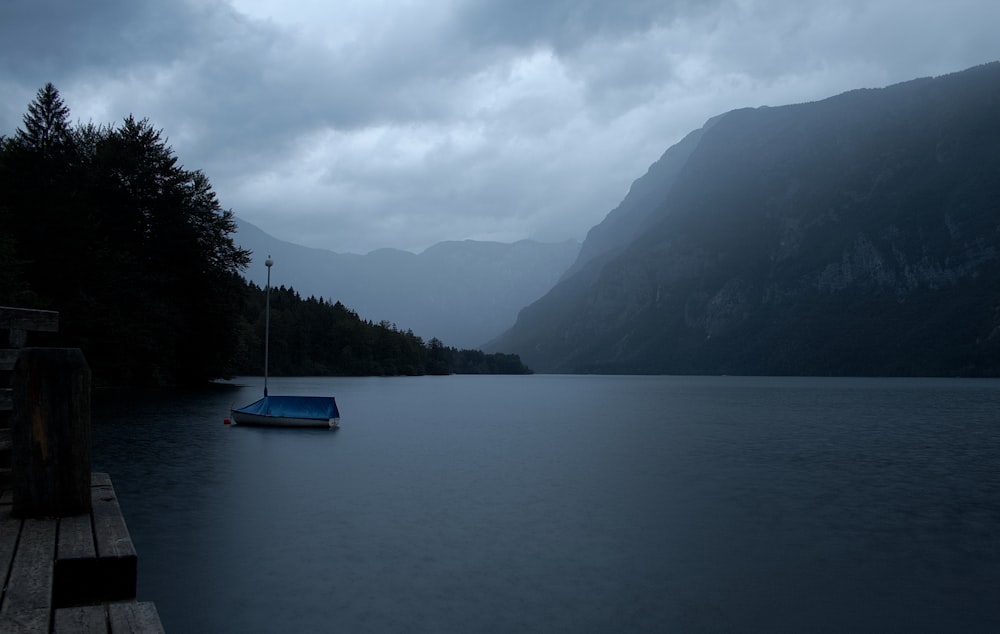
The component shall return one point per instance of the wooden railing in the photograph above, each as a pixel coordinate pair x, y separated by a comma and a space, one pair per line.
20, 321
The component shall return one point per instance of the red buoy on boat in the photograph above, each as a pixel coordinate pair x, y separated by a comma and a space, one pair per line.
225, 421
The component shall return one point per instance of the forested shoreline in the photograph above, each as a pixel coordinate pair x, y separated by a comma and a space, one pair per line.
316, 337
103, 224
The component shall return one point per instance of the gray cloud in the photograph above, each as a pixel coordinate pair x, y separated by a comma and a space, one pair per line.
565, 25
356, 125
61, 39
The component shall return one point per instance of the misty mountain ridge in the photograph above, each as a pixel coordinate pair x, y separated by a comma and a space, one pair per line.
461, 292
857, 235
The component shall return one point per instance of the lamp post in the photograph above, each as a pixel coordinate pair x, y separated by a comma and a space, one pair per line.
267, 319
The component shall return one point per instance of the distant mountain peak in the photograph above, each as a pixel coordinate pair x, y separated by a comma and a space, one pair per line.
464, 292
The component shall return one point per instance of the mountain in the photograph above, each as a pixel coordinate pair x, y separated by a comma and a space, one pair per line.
463, 293
633, 215
857, 235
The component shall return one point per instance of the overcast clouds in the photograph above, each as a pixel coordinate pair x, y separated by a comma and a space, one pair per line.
354, 125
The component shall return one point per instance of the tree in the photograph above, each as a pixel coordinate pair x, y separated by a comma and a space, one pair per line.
36, 187
46, 124
133, 250
13, 289
174, 256
437, 357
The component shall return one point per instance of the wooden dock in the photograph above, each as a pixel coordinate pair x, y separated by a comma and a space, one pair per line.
67, 562
71, 574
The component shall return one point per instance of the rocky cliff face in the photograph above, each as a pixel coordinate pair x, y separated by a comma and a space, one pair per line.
855, 235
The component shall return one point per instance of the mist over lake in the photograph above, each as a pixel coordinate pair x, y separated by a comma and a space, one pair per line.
553, 503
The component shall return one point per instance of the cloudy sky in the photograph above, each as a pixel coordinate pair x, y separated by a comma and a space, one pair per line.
358, 124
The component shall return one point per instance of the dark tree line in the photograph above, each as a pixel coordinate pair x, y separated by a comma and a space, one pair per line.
314, 336
101, 223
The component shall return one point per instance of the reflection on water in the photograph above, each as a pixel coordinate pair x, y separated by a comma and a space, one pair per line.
567, 503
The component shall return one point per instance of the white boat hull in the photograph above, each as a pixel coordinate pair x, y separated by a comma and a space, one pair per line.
258, 420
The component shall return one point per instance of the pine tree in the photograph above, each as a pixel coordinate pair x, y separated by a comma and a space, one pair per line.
46, 124
36, 186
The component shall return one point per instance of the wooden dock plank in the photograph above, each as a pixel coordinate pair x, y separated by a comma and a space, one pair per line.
26, 621
112, 536
134, 617
29, 586
88, 619
77, 570
116, 556
76, 538
10, 529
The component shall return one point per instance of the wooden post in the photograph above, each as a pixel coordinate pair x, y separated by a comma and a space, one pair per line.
50, 433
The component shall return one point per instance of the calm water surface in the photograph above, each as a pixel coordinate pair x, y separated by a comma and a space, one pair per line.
568, 504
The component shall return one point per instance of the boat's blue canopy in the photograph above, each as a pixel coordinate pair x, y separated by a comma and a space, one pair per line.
311, 407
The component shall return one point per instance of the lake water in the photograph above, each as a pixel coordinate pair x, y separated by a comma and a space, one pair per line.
568, 504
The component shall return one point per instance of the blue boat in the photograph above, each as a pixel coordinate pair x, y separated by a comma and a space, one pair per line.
285, 411
290, 411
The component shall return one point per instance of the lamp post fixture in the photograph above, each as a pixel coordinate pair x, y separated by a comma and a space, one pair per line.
267, 319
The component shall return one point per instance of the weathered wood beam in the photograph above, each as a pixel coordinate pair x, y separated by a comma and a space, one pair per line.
17, 337
86, 619
29, 319
117, 561
95, 558
134, 617
7, 360
27, 601
10, 528
50, 433
28, 621
6, 399
76, 580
